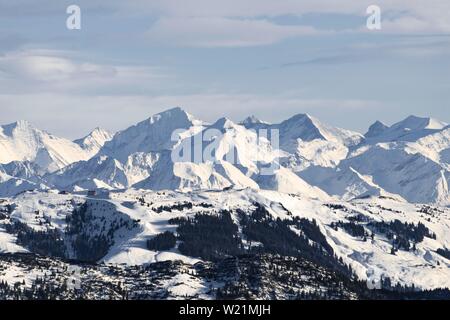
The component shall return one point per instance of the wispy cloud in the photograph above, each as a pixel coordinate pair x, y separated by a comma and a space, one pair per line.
223, 32
218, 23
399, 16
400, 47
29, 71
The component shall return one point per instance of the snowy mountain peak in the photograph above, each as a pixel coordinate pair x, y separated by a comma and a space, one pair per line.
174, 114
22, 123
97, 134
302, 117
301, 126
254, 123
95, 140
308, 128
252, 120
418, 123
410, 129
376, 129
20, 141
223, 124
152, 135
18, 126
101, 131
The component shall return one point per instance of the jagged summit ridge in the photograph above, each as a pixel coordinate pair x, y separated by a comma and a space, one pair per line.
410, 129
154, 134
376, 129
398, 160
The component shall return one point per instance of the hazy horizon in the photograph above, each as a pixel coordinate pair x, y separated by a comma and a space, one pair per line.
266, 58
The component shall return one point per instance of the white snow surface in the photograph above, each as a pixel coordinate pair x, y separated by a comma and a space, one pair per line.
20, 141
94, 141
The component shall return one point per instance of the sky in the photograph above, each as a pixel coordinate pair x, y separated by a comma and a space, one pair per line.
214, 58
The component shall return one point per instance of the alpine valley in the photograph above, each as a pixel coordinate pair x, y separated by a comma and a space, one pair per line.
342, 215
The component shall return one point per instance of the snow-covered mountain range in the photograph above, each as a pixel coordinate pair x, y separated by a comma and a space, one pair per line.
371, 208
409, 160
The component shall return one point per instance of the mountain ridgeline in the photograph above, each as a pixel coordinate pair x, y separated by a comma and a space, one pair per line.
409, 160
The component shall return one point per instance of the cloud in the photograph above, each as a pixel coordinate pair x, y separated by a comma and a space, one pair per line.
406, 47
331, 60
209, 23
48, 67
29, 71
364, 52
237, 23
399, 16
248, 8
415, 25
223, 32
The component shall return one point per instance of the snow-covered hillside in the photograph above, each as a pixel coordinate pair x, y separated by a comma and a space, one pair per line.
358, 232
